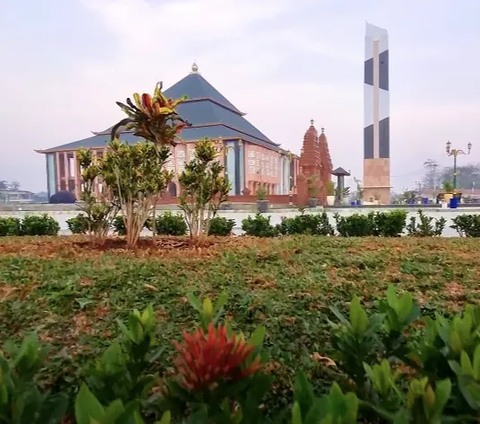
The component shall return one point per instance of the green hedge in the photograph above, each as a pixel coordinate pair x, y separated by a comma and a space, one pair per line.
30, 225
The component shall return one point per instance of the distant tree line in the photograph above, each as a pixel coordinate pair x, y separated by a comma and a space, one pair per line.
9, 185
468, 176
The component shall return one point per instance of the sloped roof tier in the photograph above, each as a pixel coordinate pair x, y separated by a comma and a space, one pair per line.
188, 134
209, 113
196, 87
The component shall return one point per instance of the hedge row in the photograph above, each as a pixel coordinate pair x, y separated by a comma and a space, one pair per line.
30, 225
383, 224
166, 224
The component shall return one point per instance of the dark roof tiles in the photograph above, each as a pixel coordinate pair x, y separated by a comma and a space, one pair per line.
209, 113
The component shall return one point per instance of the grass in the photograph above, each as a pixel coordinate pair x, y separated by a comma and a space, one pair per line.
73, 294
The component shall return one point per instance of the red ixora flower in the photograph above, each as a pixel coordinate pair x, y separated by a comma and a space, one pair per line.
206, 359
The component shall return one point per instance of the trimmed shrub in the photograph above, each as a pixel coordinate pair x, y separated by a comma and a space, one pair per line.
426, 226
220, 226
313, 224
78, 224
10, 227
356, 225
390, 224
40, 225
259, 226
169, 224
383, 224
467, 225
118, 225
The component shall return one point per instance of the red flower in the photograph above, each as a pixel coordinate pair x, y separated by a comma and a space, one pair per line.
206, 359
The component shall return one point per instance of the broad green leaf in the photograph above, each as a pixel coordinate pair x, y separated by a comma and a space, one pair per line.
351, 408
136, 328
256, 339
392, 297
166, 418
207, 307
405, 305
318, 411
147, 317
336, 400
296, 414
456, 342
358, 317
476, 364
113, 411
443, 390
303, 393
221, 302
465, 364
195, 302
87, 407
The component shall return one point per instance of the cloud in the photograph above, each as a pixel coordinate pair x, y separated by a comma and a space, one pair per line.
283, 62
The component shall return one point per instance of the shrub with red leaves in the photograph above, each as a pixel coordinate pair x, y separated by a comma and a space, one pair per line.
205, 360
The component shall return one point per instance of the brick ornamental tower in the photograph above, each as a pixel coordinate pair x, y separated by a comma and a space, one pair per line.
376, 133
315, 165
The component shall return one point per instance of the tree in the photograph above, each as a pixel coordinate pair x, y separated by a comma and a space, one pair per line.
3, 185
203, 188
468, 176
100, 213
133, 174
135, 177
14, 185
432, 178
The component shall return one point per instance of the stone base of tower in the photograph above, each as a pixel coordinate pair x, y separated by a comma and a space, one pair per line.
376, 180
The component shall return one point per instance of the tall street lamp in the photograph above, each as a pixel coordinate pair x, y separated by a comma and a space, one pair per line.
455, 153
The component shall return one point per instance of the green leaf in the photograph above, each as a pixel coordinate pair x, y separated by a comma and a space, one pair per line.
405, 305
317, 412
113, 411
476, 364
87, 407
256, 339
221, 302
208, 307
465, 364
351, 408
195, 302
443, 390
303, 393
392, 297
358, 317
166, 418
83, 301
296, 414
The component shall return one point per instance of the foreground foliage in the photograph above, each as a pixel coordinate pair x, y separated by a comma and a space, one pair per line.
287, 285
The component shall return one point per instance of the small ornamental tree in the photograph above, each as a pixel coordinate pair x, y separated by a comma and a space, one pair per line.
99, 212
203, 188
135, 175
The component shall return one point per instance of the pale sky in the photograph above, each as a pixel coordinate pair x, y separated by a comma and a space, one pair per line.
64, 63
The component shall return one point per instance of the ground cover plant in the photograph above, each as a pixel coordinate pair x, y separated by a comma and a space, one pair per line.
288, 285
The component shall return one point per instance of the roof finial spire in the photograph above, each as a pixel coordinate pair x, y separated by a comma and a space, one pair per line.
194, 68
322, 130
312, 122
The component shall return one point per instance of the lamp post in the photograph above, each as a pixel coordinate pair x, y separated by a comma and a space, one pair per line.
455, 153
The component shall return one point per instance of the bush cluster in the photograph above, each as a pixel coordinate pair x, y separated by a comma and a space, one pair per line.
168, 224
379, 224
383, 371
220, 226
467, 225
30, 225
